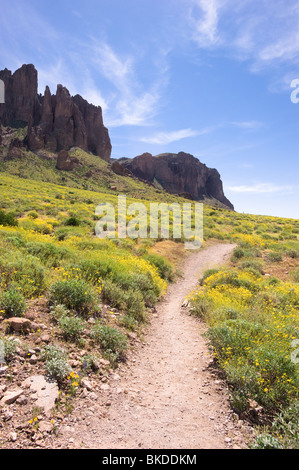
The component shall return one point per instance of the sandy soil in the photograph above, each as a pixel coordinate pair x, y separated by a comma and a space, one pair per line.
166, 396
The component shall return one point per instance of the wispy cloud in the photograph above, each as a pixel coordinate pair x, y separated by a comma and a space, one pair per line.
245, 165
32, 31
162, 138
248, 30
261, 188
87, 65
203, 17
129, 102
248, 124
54, 73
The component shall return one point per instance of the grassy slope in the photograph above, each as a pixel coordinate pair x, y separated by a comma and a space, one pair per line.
92, 174
43, 250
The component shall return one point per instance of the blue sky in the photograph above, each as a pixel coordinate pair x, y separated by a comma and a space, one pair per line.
207, 77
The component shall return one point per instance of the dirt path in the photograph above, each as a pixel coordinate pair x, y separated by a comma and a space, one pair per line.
165, 396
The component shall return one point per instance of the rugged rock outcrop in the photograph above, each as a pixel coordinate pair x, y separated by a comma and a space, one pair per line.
21, 97
55, 122
180, 173
15, 149
65, 161
120, 169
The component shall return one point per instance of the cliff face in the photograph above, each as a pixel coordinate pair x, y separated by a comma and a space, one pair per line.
55, 122
61, 121
180, 173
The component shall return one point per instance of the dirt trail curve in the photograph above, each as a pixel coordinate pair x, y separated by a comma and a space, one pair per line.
165, 396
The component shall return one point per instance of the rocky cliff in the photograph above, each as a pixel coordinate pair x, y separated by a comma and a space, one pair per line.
55, 122
180, 173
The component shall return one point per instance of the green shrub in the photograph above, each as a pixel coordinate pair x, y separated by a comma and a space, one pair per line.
12, 302
16, 240
201, 307
63, 233
30, 276
233, 337
8, 218
108, 269
266, 441
238, 253
89, 362
33, 214
135, 305
74, 294
292, 253
112, 341
56, 364
131, 301
26, 271
72, 327
58, 311
128, 322
283, 433
207, 273
73, 222
113, 294
164, 267
274, 256
225, 313
253, 266
8, 348
48, 253
139, 282
231, 277
295, 275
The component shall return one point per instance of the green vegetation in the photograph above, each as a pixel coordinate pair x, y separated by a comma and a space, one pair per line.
72, 327
56, 362
7, 218
49, 251
251, 308
12, 303
112, 341
74, 294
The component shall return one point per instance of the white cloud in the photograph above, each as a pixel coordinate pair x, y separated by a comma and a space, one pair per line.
205, 22
84, 65
93, 95
117, 70
249, 30
285, 49
162, 138
53, 74
129, 103
245, 165
260, 188
247, 124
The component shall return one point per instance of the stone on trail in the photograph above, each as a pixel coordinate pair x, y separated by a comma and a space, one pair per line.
11, 396
45, 391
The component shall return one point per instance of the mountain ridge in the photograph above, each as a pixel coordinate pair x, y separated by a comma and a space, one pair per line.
55, 124
180, 173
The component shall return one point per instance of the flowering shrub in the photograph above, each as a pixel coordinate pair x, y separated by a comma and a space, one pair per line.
12, 303
253, 322
74, 294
